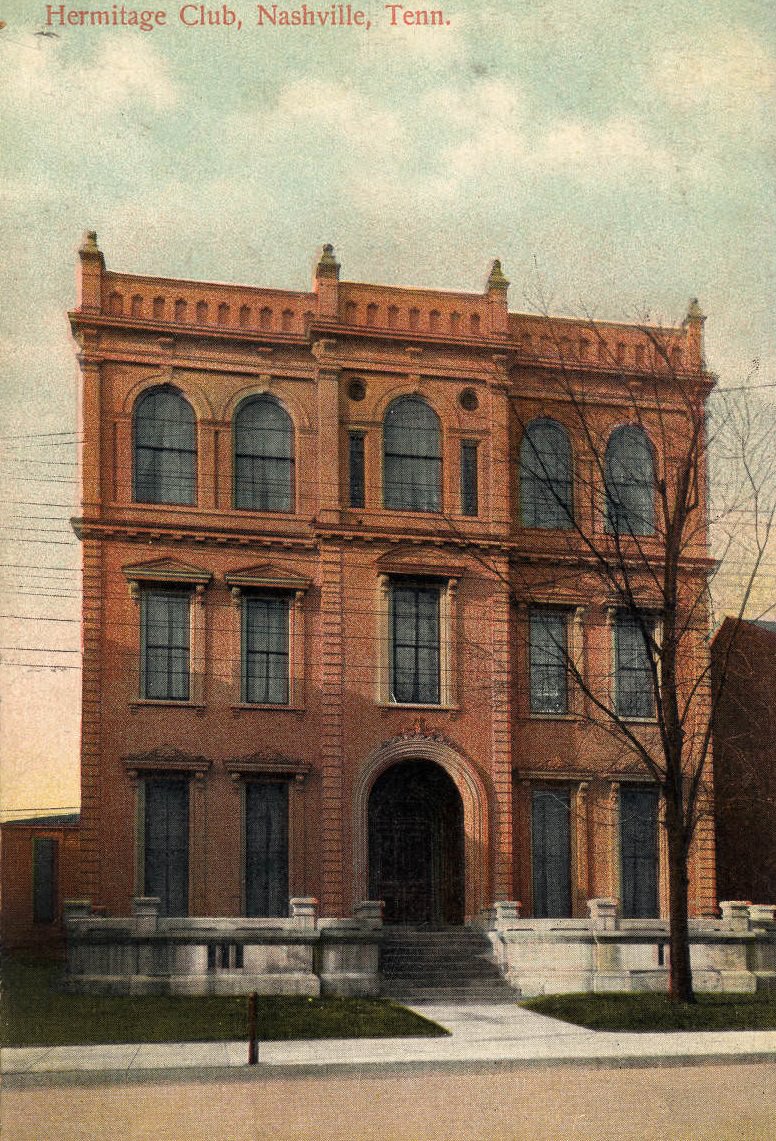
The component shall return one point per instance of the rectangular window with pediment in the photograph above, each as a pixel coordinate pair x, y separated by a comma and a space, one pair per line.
414, 642
266, 848
551, 852
639, 852
548, 660
165, 645
265, 649
634, 690
166, 843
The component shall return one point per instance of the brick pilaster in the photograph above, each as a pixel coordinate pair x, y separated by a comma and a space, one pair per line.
331, 731
501, 739
91, 721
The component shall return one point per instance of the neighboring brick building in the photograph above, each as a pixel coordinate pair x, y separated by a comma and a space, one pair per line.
305, 670
39, 860
745, 759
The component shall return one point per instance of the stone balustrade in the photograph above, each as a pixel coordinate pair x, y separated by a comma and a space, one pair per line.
606, 953
146, 953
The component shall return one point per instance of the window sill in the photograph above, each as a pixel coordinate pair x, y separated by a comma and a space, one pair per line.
165, 702
536, 716
265, 512
544, 528
441, 706
273, 707
637, 720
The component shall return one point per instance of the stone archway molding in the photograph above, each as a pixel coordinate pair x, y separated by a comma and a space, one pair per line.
420, 746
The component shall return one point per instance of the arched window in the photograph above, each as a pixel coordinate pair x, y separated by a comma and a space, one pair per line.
263, 456
629, 475
165, 451
545, 476
412, 467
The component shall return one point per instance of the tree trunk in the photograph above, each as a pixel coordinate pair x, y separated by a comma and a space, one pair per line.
680, 976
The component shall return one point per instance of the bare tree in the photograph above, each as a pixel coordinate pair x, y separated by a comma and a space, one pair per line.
629, 524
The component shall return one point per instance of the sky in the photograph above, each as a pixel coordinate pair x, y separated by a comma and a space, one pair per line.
618, 156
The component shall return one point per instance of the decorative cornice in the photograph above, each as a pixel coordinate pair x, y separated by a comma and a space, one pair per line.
556, 769
163, 532
266, 575
166, 570
166, 759
392, 563
265, 764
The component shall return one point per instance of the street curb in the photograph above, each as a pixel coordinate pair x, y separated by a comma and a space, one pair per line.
264, 1071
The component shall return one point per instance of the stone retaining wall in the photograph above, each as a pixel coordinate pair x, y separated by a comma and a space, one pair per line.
607, 954
148, 954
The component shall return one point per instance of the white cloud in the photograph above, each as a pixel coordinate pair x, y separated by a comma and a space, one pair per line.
353, 115
491, 115
614, 150
729, 72
120, 71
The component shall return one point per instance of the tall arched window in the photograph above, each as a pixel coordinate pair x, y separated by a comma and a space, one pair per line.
629, 475
545, 476
165, 448
412, 450
263, 456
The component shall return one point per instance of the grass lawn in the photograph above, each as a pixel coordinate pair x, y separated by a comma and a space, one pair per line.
34, 1012
644, 1012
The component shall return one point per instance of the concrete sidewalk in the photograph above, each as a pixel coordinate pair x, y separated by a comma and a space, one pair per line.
480, 1034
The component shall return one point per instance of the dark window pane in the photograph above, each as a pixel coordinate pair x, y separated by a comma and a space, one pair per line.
265, 649
166, 863
545, 476
266, 849
356, 455
638, 852
44, 879
415, 644
165, 449
263, 456
469, 480
630, 480
634, 688
412, 468
548, 661
164, 650
551, 853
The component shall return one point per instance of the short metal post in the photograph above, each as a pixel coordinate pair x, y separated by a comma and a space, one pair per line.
253, 1043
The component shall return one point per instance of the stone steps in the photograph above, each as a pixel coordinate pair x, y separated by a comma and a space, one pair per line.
447, 965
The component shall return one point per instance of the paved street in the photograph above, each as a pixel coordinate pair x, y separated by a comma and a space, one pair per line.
497, 1102
503, 1072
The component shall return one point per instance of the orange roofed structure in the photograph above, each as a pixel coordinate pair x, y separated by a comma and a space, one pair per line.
323, 596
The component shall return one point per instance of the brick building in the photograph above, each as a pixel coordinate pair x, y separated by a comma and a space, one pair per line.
38, 871
328, 588
745, 759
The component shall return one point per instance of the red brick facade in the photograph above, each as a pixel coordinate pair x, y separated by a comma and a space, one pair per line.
335, 360
40, 869
744, 655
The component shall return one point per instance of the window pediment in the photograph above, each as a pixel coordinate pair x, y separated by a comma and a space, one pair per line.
268, 576
397, 563
262, 765
166, 759
166, 570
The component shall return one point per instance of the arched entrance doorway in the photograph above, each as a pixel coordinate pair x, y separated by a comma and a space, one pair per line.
416, 845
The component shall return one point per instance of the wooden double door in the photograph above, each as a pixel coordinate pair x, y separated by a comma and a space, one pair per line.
416, 846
